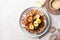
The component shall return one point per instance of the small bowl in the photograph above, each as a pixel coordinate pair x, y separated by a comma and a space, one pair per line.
50, 9
47, 22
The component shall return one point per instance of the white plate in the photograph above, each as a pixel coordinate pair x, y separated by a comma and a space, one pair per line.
47, 22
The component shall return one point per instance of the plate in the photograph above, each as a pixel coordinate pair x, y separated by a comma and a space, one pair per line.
47, 22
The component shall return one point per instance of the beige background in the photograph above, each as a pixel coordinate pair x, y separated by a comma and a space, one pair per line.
10, 11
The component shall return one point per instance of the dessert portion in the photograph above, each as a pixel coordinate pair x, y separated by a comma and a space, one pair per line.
34, 21
56, 4
40, 3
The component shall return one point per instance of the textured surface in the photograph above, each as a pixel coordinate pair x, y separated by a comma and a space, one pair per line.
10, 11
